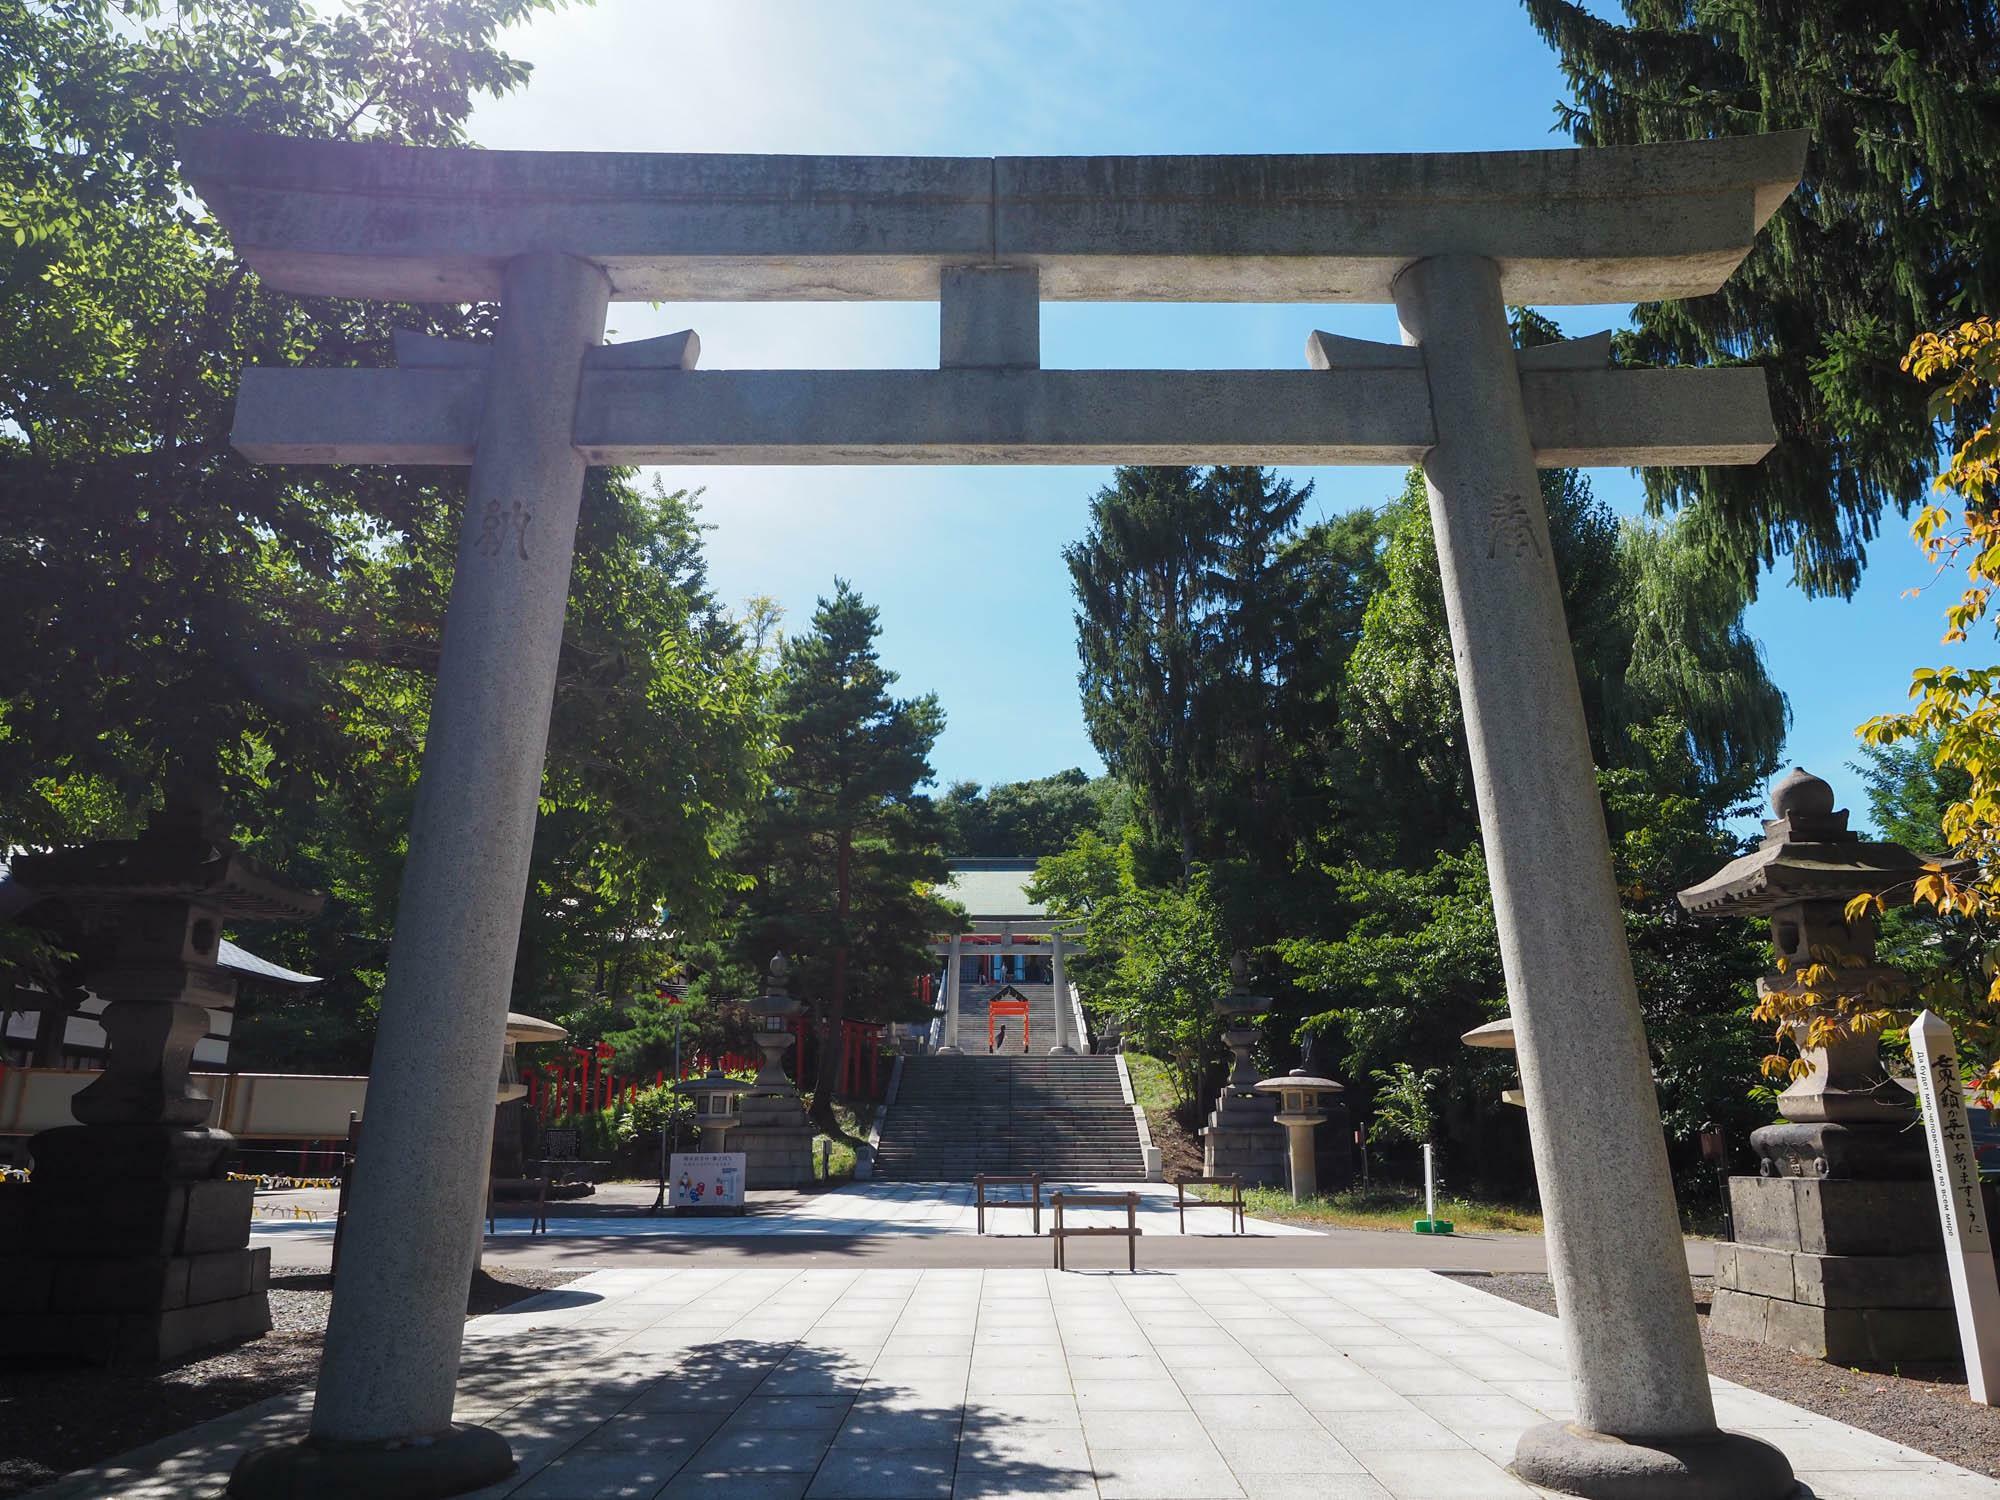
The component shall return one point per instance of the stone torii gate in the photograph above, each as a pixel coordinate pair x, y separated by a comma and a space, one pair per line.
1451, 240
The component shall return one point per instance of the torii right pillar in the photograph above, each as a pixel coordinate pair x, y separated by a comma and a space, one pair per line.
1645, 1421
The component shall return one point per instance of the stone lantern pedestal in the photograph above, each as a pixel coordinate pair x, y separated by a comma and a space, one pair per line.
1242, 1137
1838, 1251
134, 1245
772, 1130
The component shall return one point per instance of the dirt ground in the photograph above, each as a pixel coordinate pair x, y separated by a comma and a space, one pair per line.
59, 1417
1180, 1152
1926, 1407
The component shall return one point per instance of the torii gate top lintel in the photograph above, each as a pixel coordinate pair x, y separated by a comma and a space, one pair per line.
990, 239
1611, 225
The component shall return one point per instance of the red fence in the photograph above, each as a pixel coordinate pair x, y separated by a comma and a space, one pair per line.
557, 1090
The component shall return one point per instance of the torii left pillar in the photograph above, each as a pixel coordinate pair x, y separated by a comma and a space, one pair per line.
381, 1423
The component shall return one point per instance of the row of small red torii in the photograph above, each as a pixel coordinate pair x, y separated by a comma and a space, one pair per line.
558, 1090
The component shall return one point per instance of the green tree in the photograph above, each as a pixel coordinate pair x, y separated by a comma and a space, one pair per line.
1657, 634
202, 622
658, 743
844, 852
186, 606
1147, 642
1035, 817
1892, 232
1213, 629
1154, 957
1948, 953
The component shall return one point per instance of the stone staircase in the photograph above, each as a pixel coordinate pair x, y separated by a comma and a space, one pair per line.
1041, 998
955, 1117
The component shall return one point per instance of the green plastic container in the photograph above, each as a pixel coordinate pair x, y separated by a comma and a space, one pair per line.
1432, 1226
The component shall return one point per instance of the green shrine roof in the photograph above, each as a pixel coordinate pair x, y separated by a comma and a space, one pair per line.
990, 889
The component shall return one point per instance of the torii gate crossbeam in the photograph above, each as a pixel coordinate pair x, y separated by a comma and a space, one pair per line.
1450, 240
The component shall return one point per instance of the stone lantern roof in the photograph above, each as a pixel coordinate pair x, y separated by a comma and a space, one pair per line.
177, 858
1808, 854
1498, 1035
1298, 1078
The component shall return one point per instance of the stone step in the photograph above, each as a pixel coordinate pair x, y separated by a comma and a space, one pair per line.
955, 1117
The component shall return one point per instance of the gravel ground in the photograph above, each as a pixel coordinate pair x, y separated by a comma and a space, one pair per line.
56, 1417
1924, 1406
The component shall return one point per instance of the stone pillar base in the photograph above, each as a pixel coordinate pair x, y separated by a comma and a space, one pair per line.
776, 1140
1845, 1270
130, 1251
1242, 1138
1709, 1466
456, 1462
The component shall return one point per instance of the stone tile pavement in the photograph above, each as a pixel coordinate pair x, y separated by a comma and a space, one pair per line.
846, 1384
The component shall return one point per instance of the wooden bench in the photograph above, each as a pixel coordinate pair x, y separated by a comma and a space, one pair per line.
1032, 1181
1234, 1202
1061, 1232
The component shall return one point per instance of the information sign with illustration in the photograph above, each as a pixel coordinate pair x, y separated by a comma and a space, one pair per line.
707, 1179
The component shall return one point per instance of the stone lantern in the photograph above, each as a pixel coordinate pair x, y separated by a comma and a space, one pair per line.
134, 1246
772, 1130
717, 1104
1498, 1035
1242, 1137
1302, 1104
1838, 1250
513, 1120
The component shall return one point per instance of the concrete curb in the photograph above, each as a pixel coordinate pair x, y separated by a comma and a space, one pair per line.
1155, 1163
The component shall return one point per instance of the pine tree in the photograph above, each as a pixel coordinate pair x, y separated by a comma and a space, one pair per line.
1892, 232
845, 851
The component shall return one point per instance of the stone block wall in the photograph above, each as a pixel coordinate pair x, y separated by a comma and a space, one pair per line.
1851, 1271
108, 1260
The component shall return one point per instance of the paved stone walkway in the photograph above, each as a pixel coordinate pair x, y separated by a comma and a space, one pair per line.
840, 1384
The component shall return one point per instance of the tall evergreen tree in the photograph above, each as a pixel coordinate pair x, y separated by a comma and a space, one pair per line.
1200, 602
1146, 638
1893, 231
844, 854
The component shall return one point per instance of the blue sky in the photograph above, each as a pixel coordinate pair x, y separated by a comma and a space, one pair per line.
965, 564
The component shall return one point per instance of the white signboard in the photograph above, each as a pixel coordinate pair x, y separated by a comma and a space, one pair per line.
1968, 1247
706, 1179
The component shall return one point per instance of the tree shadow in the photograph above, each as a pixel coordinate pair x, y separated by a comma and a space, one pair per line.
757, 1415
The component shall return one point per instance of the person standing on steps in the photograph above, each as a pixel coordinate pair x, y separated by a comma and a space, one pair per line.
1000, 1040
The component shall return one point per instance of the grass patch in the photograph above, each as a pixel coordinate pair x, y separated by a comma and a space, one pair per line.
1152, 1088
835, 1166
1153, 1091
1389, 1208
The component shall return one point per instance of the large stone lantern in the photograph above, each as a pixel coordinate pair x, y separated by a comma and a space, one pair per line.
1242, 1137
717, 1102
134, 1243
1302, 1105
1838, 1250
772, 1130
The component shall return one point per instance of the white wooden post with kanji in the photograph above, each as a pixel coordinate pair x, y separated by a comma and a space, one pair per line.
1968, 1245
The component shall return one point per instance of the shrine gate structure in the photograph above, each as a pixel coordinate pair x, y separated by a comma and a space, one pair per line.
1450, 240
